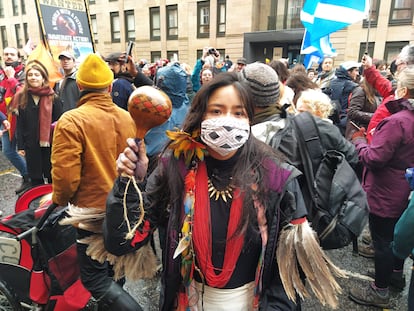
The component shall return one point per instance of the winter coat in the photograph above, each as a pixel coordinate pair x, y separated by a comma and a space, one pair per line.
281, 180
86, 144
384, 88
324, 80
403, 244
28, 138
342, 87
8, 88
281, 135
122, 87
68, 92
386, 159
360, 111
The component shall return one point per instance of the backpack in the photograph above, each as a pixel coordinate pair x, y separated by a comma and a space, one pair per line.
339, 207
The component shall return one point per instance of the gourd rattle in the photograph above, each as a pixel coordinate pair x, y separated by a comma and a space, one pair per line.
148, 107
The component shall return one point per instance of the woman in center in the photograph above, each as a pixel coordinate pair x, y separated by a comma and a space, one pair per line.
225, 199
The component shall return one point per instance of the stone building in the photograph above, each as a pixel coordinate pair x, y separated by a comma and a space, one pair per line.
179, 29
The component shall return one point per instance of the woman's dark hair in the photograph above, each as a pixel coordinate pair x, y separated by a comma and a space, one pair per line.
281, 69
199, 105
249, 169
298, 82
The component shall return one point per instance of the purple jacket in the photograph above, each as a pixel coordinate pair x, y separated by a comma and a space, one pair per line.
386, 158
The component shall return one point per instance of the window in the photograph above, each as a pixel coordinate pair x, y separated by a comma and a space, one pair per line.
1, 8
15, 8
129, 25
155, 28
19, 41
155, 55
292, 14
25, 32
4, 40
172, 56
392, 49
115, 27
203, 21
172, 22
363, 49
221, 18
373, 16
23, 6
401, 12
92, 2
94, 26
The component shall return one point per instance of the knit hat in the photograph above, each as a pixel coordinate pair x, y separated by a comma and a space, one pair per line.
263, 82
94, 73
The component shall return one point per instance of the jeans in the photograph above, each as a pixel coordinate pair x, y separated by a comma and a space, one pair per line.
9, 149
382, 232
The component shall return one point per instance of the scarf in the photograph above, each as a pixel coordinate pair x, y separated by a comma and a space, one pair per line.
266, 113
202, 233
45, 112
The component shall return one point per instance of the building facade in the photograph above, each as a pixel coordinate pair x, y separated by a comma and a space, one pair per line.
179, 29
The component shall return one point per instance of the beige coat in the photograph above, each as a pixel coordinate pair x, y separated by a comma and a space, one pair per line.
86, 143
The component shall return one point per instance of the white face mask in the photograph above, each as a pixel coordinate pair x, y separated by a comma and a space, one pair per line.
224, 134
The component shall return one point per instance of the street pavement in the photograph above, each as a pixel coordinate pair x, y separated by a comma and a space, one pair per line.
147, 291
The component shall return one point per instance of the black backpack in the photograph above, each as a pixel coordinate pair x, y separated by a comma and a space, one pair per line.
339, 207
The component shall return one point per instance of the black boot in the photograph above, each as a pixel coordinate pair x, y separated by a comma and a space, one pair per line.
116, 298
26, 184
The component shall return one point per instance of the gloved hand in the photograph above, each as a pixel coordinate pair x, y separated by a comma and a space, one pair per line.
360, 134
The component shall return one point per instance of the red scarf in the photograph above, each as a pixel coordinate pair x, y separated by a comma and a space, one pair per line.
45, 112
202, 234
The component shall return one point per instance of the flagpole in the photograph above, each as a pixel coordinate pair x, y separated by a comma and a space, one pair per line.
369, 27
90, 24
42, 26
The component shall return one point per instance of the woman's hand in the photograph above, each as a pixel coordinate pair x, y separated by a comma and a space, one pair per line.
6, 124
133, 161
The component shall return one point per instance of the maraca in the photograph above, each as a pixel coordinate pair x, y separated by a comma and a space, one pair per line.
148, 107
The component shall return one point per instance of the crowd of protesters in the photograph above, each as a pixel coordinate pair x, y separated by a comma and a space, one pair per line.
363, 109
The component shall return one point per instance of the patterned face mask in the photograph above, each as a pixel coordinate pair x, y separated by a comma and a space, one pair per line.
224, 134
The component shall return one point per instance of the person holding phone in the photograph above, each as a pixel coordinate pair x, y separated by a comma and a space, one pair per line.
122, 86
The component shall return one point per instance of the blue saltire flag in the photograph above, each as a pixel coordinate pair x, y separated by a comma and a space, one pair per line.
322, 17
315, 51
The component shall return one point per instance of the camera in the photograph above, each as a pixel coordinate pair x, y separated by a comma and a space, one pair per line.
213, 51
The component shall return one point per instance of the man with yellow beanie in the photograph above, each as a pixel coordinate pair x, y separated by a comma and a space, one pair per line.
86, 143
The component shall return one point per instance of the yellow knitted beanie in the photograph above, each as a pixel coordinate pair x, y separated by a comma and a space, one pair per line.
94, 73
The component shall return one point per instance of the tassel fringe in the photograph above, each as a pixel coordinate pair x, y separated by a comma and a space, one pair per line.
298, 244
140, 264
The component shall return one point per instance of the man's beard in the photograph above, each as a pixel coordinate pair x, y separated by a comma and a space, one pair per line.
13, 64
